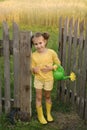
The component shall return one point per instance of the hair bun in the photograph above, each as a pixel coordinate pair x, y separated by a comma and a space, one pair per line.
46, 35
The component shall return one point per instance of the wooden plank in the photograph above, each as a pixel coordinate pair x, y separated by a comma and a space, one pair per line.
76, 67
81, 84
84, 80
69, 50
70, 45
25, 75
16, 64
63, 83
60, 50
85, 75
60, 44
6, 66
74, 61
30, 75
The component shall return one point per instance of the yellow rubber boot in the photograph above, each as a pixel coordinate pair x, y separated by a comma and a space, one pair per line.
41, 117
48, 108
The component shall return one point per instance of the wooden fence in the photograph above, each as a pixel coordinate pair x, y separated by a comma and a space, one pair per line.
21, 49
73, 55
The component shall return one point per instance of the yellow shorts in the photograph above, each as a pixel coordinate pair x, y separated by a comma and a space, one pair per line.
46, 85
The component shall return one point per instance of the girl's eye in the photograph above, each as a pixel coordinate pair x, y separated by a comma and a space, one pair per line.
35, 44
40, 42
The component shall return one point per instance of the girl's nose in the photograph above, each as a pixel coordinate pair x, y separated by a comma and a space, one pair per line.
38, 46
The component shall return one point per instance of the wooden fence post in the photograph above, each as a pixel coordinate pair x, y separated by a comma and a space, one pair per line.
73, 60
6, 66
65, 32
85, 72
16, 64
25, 73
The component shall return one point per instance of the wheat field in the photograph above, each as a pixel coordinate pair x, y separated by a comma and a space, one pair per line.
41, 12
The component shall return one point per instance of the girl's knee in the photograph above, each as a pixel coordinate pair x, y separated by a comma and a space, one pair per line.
38, 98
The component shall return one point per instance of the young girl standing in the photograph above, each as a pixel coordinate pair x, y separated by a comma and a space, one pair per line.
43, 60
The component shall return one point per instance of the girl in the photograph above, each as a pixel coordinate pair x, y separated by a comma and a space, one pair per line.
43, 60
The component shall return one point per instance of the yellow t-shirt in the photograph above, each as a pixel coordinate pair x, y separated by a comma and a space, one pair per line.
41, 60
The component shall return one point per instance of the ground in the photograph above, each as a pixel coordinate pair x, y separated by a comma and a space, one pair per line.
69, 121
62, 121
65, 118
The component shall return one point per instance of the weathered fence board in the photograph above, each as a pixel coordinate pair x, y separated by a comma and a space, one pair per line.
80, 67
73, 61
63, 83
25, 74
16, 64
6, 66
69, 46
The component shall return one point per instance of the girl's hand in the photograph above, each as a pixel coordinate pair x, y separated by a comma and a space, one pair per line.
47, 69
36, 70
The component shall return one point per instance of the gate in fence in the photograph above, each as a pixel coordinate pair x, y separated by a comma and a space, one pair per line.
73, 55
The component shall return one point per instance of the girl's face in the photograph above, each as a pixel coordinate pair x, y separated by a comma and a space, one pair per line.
39, 44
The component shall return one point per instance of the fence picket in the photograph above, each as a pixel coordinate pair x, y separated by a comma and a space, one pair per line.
65, 32
69, 50
6, 66
16, 64
74, 60
25, 83
60, 49
85, 75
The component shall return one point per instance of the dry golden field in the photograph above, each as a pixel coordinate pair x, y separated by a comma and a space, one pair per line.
41, 12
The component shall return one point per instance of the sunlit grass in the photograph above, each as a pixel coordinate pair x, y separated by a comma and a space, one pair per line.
41, 12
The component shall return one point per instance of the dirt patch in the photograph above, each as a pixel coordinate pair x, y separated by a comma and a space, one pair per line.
70, 121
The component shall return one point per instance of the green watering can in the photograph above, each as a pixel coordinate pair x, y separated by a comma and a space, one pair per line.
59, 74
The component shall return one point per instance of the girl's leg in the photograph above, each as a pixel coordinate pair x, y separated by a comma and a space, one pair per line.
48, 96
39, 109
38, 97
48, 105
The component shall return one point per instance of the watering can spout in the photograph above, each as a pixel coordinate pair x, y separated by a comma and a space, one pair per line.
59, 74
66, 77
